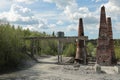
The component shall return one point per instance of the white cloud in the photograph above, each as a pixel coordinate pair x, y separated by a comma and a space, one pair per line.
4, 4
116, 28
25, 1
69, 13
52, 25
59, 22
81, 12
83, 9
91, 27
73, 12
72, 27
43, 24
113, 10
68, 6
19, 15
97, 0
61, 4
30, 27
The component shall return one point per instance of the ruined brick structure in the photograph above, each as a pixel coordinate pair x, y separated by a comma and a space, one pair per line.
105, 45
81, 54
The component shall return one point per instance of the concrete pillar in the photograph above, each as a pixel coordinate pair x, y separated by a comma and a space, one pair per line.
60, 50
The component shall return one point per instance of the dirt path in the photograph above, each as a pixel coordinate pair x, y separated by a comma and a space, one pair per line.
47, 69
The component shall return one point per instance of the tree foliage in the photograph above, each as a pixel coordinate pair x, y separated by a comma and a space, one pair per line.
12, 43
91, 49
11, 46
117, 48
69, 50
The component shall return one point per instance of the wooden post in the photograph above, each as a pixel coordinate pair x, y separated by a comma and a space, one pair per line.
61, 51
38, 46
85, 54
58, 51
60, 39
32, 45
35, 46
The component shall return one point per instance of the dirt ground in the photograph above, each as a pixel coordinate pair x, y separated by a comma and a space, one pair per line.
48, 69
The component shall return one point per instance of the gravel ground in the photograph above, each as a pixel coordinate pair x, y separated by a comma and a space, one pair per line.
48, 69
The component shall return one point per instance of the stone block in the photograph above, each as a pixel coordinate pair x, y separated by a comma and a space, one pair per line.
117, 69
97, 68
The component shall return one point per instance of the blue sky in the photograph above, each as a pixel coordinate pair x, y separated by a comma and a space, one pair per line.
60, 15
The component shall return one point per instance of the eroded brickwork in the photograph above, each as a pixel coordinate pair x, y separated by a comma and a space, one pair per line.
105, 46
81, 54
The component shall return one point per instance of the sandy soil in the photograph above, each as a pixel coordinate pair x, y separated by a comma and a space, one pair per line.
48, 69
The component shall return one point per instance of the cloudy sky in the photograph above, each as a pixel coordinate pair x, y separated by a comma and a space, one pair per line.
60, 15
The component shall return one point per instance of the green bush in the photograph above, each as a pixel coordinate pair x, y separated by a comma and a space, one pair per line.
48, 47
117, 52
69, 50
91, 49
10, 46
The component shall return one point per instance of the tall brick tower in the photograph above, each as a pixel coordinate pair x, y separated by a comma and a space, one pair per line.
105, 48
81, 54
111, 42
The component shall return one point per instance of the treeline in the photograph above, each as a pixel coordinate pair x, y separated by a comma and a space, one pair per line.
12, 44
92, 44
